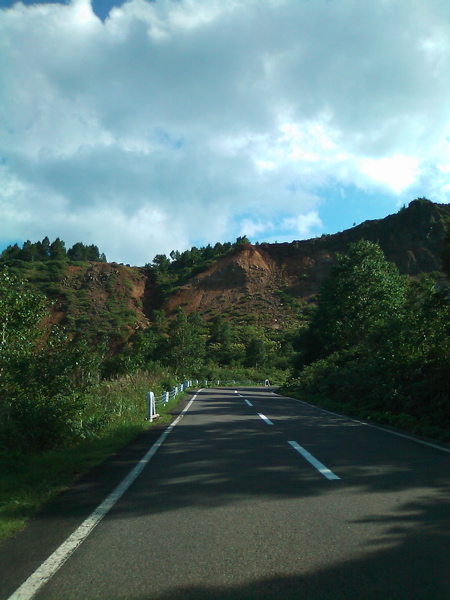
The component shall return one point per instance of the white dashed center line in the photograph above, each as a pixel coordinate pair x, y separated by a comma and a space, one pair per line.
264, 418
315, 463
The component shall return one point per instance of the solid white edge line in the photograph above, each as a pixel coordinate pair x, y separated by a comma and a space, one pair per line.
48, 568
315, 463
264, 418
380, 427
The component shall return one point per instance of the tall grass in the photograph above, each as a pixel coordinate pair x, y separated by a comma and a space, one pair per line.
115, 415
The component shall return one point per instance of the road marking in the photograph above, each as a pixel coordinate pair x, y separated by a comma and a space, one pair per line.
372, 425
249, 403
264, 418
49, 567
408, 437
316, 463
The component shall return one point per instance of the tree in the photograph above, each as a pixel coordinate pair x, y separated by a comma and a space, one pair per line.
186, 346
243, 239
42, 378
364, 293
20, 313
92, 253
76, 252
29, 252
57, 250
11, 252
446, 251
255, 353
221, 341
80, 251
43, 249
161, 263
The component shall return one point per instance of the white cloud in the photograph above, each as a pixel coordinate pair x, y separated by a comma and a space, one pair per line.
303, 224
252, 228
396, 172
185, 117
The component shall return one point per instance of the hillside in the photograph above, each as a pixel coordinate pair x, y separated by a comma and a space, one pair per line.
267, 283
267, 279
93, 299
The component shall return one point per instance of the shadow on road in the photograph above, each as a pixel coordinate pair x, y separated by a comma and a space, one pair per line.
405, 555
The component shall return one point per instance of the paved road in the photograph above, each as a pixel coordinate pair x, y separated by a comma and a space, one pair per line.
255, 496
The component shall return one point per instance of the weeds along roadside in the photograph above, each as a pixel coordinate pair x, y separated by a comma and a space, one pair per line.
402, 422
29, 481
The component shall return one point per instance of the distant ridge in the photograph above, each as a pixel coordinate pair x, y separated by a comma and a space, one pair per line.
266, 284
258, 279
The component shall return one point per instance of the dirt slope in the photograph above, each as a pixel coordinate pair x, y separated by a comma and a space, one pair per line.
259, 279
243, 282
268, 283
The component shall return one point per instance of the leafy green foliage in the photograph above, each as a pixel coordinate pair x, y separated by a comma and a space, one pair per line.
185, 348
43, 378
43, 251
112, 418
20, 313
375, 341
446, 250
255, 353
80, 251
380, 345
173, 271
363, 293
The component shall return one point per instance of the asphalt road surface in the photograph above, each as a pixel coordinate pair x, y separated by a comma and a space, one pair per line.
251, 495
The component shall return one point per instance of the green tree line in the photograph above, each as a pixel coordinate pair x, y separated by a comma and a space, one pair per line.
173, 270
45, 250
378, 343
192, 348
48, 375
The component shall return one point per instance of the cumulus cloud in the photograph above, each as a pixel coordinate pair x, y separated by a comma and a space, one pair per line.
174, 122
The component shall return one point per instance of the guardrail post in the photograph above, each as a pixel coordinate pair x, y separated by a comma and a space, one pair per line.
151, 412
165, 397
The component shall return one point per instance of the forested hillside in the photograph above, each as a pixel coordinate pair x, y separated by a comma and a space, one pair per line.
359, 319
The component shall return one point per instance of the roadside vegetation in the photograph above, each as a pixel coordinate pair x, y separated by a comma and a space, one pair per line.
67, 403
374, 344
118, 410
378, 345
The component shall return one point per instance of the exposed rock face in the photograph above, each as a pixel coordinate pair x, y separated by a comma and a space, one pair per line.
412, 238
241, 281
252, 280
249, 278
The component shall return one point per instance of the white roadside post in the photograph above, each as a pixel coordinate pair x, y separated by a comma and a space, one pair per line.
151, 412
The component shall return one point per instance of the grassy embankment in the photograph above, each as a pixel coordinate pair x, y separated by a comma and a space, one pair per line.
28, 482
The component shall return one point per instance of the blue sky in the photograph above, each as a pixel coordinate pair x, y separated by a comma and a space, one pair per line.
101, 8
144, 127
